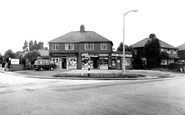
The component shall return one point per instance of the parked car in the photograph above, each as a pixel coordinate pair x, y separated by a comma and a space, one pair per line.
180, 62
44, 64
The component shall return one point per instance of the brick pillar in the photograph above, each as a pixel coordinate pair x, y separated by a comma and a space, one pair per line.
79, 61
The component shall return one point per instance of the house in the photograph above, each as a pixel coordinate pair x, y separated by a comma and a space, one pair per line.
164, 47
74, 49
181, 51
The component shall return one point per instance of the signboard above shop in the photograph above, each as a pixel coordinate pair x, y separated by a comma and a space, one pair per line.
121, 55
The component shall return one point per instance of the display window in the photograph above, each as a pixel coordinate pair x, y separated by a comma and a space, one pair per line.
103, 63
72, 63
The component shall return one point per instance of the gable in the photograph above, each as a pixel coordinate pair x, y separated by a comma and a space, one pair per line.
142, 43
181, 47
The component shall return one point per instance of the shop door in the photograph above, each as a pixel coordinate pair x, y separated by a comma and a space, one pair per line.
119, 63
64, 63
95, 62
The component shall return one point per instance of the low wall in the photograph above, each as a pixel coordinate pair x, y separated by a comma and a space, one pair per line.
17, 67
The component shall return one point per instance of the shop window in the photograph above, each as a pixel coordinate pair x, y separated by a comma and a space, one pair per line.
69, 46
113, 62
103, 63
72, 63
55, 46
103, 46
89, 46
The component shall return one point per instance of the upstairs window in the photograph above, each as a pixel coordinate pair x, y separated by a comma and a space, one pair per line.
103, 46
89, 46
55, 46
174, 52
69, 46
169, 52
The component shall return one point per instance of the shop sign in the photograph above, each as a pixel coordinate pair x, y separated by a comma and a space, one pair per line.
114, 54
93, 55
85, 54
128, 55
121, 55
14, 61
103, 54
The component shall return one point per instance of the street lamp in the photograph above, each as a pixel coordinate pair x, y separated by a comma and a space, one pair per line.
123, 61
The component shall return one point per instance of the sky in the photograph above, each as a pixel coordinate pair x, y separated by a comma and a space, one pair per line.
44, 20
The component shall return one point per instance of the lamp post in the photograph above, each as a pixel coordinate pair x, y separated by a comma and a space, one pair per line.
123, 60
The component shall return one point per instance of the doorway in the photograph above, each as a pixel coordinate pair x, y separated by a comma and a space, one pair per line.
64, 63
95, 62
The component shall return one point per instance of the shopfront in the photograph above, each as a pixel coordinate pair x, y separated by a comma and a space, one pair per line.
97, 61
117, 60
65, 61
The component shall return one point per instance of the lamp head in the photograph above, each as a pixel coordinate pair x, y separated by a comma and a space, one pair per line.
135, 10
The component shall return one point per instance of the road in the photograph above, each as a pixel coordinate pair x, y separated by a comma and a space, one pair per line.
30, 96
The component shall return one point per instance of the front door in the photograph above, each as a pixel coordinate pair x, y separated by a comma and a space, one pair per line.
64, 63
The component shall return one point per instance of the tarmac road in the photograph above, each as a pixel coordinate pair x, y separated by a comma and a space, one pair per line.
31, 96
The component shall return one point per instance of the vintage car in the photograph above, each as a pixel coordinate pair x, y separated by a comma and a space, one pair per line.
44, 64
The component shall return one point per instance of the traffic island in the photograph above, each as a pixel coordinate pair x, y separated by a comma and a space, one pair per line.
99, 76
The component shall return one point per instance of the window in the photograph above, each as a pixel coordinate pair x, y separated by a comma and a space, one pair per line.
168, 52
89, 46
174, 52
55, 46
103, 46
55, 60
162, 49
69, 46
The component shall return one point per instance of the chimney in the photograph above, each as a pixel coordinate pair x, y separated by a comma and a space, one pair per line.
82, 28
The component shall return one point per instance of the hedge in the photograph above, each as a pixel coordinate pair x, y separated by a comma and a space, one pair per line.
99, 75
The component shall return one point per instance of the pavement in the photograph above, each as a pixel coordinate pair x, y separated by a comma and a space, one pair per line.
150, 74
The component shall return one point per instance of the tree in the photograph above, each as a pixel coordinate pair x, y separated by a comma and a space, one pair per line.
25, 45
32, 55
35, 45
127, 48
1, 58
31, 45
9, 54
152, 51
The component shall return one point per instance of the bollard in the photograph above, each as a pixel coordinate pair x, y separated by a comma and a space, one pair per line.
89, 68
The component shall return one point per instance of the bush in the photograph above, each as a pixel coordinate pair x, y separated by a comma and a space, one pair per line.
176, 66
104, 75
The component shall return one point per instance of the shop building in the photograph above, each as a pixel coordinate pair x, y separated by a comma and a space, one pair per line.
117, 60
74, 49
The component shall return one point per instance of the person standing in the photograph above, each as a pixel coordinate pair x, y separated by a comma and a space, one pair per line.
6, 66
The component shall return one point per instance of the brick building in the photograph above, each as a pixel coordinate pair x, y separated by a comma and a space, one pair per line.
72, 50
164, 47
181, 51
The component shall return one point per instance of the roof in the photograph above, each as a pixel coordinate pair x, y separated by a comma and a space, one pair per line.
142, 43
78, 36
181, 47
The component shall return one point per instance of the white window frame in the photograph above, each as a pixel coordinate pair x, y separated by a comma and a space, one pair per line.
169, 52
89, 46
174, 52
103, 46
69, 46
55, 46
